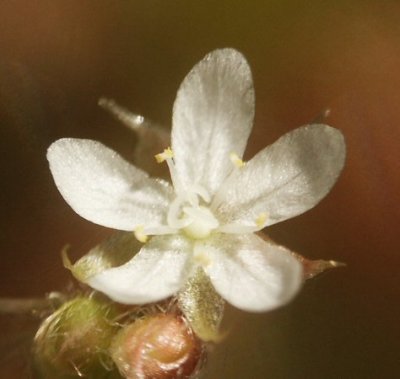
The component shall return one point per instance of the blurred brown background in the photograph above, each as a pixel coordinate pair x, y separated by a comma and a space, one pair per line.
58, 57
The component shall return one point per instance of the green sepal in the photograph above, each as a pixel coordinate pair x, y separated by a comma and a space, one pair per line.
202, 306
112, 252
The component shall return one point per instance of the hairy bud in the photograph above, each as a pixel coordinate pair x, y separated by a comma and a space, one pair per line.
160, 346
73, 342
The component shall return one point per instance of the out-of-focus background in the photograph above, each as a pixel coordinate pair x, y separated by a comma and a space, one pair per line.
57, 58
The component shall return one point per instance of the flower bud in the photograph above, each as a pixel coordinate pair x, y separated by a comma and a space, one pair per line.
74, 341
160, 346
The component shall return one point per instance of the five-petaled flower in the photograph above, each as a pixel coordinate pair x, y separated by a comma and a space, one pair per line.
208, 216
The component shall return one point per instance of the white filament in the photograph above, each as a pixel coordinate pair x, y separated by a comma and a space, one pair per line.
189, 211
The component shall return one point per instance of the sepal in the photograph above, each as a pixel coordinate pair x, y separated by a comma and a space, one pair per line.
202, 306
112, 252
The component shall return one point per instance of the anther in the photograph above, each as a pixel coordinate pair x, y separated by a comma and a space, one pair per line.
261, 219
140, 235
166, 154
202, 259
236, 160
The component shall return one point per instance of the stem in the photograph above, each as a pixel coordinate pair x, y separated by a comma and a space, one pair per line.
29, 305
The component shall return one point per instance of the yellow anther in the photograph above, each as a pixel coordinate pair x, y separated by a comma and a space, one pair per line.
202, 259
236, 160
166, 154
261, 219
140, 235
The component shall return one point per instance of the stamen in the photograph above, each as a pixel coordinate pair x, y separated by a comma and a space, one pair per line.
140, 235
202, 259
160, 230
236, 160
261, 220
235, 228
166, 154
200, 256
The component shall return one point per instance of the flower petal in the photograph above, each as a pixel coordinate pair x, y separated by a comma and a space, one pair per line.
250, 273
285, 179
212, 117
103, 188
156, 272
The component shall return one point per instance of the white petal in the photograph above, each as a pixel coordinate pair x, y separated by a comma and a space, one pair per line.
156, 272
285, 179
212, 117
102, 187
250, 273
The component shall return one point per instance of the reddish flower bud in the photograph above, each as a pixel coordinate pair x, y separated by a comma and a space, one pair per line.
160, 346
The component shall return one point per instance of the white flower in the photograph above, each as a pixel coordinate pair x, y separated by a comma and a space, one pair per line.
209, 215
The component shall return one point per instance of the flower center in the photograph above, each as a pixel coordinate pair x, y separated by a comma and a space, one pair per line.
202, 222
186, 213
190, 211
